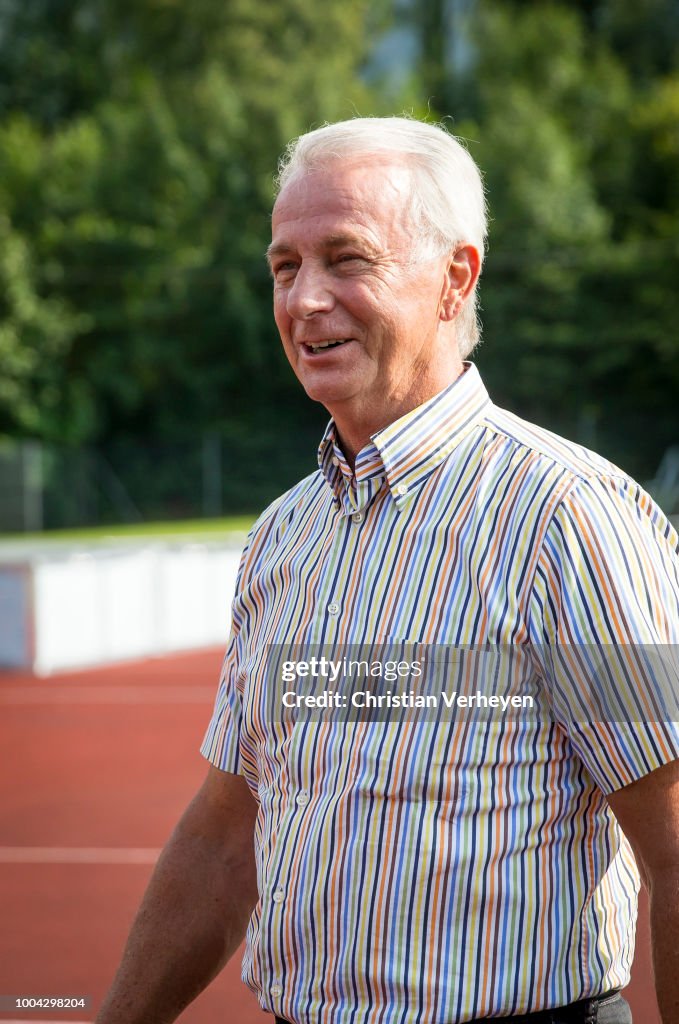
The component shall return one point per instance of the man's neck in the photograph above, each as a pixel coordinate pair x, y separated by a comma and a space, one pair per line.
355, 428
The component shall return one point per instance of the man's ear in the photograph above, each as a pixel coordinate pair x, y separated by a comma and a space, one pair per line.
461, 274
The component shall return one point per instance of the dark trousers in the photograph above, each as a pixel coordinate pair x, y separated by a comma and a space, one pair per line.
610, 1009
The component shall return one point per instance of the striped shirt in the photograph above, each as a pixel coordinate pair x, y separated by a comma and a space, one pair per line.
433, 872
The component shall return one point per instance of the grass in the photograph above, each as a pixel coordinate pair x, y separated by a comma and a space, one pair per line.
185, 529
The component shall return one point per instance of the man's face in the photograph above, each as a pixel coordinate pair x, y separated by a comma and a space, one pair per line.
358, 316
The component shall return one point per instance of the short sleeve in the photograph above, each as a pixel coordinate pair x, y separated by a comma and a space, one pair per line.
221, 745
604, 626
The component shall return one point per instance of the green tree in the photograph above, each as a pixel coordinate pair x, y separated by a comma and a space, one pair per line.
571, 110
138, 178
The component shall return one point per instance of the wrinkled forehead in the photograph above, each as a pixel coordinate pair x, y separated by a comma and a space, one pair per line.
369, 186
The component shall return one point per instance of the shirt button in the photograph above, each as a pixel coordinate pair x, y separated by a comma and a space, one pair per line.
302, 797
401, 489
333, 609
335, 460
276, 990
278, 896
357, 517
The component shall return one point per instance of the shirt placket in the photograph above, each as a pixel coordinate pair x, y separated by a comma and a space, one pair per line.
332, 628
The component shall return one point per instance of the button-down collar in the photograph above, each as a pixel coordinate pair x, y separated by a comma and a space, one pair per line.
408, 450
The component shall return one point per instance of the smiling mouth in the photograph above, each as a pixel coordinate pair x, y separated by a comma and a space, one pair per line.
322, 346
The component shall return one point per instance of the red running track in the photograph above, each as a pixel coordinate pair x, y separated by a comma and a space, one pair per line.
98, 767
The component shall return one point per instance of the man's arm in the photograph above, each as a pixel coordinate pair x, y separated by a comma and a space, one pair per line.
648, 812
196, 908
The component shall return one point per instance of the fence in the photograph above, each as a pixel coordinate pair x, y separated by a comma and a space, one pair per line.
50, 487
45, 486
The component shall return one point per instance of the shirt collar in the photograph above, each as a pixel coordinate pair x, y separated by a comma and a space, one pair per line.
407, 451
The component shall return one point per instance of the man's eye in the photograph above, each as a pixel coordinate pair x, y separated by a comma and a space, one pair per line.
284, 270
349, 257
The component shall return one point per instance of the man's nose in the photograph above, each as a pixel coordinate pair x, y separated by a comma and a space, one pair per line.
310, 293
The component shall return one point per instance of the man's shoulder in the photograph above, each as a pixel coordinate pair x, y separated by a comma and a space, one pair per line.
569, 458
293, 501
575, 477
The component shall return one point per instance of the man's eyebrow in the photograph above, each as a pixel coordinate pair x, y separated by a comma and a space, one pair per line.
331, 242
277, 249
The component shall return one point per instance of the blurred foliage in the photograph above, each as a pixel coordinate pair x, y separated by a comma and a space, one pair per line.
137, 145
137, 142
572, 111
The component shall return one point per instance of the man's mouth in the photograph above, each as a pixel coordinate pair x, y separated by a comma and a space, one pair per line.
321, 346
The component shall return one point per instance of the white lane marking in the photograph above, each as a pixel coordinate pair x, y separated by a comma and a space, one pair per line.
108, 695
78, 855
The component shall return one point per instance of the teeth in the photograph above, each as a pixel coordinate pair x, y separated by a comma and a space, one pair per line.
327, 344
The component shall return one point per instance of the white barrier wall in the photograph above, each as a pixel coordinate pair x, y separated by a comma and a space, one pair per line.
64, 609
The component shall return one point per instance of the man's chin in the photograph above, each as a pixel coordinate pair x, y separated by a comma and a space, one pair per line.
330, 393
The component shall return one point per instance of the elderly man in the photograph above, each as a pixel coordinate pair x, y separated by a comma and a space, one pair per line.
433, 871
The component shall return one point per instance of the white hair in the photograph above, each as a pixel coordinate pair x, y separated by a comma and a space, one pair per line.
448, 200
